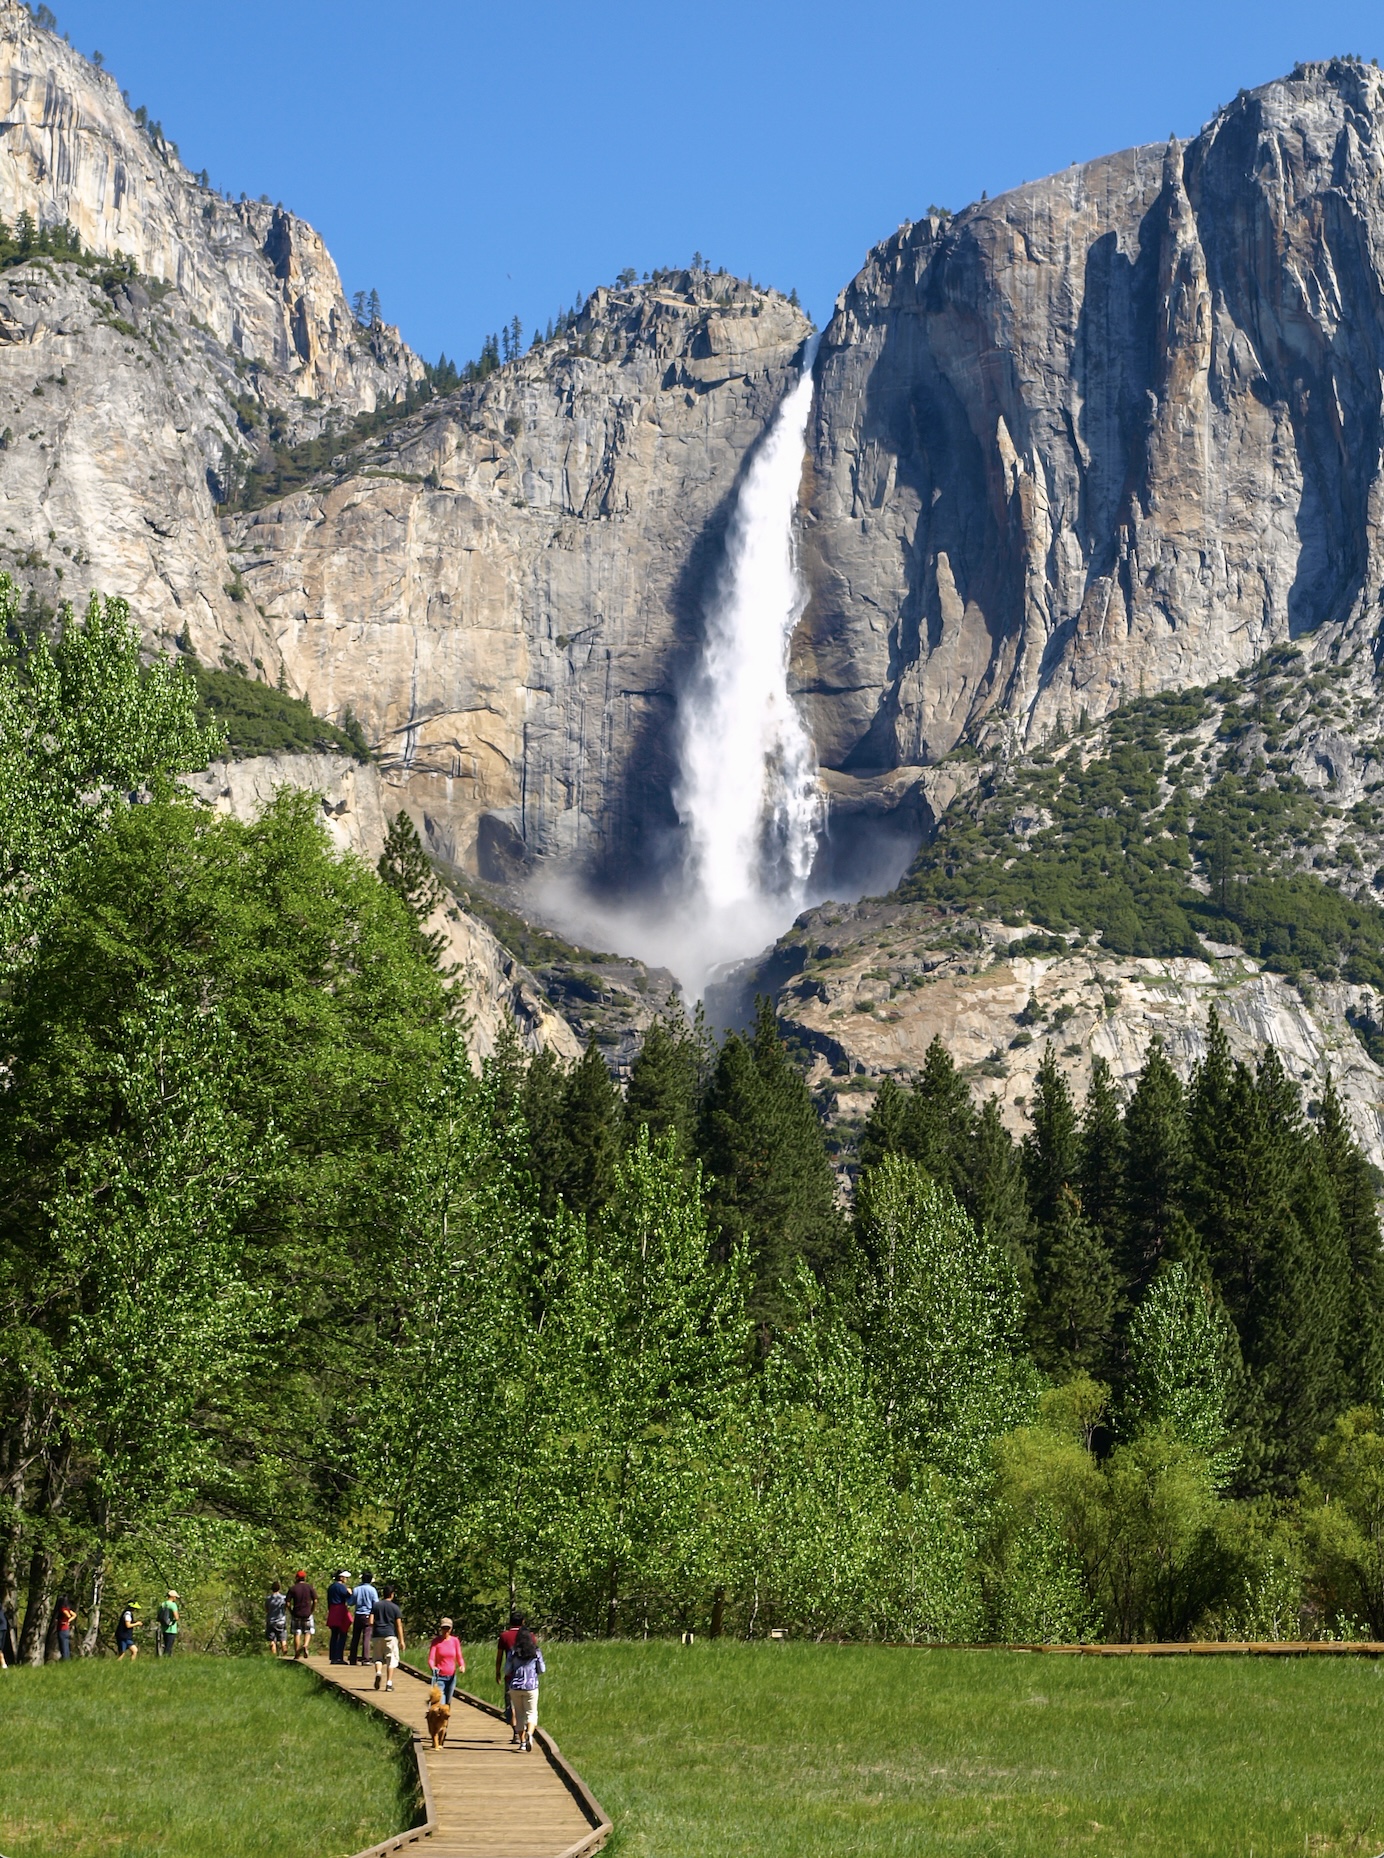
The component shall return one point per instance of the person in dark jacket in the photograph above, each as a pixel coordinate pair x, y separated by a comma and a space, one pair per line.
302, 1605
339, 1601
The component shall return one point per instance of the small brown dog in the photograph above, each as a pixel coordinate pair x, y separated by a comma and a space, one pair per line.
439, 1715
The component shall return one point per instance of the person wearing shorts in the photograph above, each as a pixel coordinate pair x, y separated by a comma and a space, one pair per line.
388, 1636
522, 1670
125, 1633
302, 1604
276, 1620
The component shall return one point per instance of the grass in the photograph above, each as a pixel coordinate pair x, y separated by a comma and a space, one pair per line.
794, 1750
192, 1758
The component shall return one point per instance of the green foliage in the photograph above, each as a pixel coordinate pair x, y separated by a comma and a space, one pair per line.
82, 724
406, 868
1121, 852
941, 1316
1184, 1360
259, 719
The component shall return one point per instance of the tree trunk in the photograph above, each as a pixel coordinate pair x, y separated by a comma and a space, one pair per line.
14, 1464
612, 1599
93, 1631
718, 1612
38, 1610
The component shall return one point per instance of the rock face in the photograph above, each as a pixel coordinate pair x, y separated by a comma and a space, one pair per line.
873, 984
507, 590
258, 277
1117, 430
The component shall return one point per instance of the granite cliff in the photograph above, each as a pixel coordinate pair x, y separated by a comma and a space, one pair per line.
1117, 431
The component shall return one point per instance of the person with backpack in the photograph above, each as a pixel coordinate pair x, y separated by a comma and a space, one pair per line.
363, 1619
504, 1645
166, 1619
276, 1620
67, 1619
302, 1604
339, 1615
388, 1636
125, 1628
446, 1660
523, 1667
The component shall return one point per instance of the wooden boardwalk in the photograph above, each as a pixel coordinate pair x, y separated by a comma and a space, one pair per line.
484, 1800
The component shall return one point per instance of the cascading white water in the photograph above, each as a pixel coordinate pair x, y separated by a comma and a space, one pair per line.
747, 788
746, 791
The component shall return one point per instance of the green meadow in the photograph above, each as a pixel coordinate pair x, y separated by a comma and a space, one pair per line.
192, 1758
791, 1750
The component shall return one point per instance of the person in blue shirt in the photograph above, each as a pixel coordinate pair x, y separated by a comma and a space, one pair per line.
340, 1614
363, 1603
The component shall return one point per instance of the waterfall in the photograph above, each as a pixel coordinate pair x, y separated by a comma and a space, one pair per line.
746, 788
746, 792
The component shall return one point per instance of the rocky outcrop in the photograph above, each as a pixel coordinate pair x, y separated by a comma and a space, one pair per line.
508, 589
256, 276
867, 989
1118, 430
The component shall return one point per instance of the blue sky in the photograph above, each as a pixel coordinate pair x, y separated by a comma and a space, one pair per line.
473, 163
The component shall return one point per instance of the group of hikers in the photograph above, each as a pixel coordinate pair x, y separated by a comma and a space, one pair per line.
366, 1625
128, 1623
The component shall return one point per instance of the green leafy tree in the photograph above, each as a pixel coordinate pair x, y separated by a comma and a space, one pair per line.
648, 1333
82, 725
1185, 1363
941, 1318
939, 1120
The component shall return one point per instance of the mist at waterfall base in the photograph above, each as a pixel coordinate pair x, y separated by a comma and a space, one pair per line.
747, 793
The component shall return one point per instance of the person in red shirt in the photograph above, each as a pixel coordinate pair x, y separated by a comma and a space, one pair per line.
505, 1645
446, 1660
302, 1604
67, 1619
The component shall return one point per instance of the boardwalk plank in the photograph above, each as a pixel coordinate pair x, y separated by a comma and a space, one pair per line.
488, 1800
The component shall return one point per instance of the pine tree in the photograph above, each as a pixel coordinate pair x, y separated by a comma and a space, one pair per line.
591, 1117
1156, 1157
664, 1087
1353, 1185
408, 871
1208, 1122
882, 1132
541, 1102
1102, 1166
1077, 1294
1051, 1149
995, 1198
769, 1180
939, 1120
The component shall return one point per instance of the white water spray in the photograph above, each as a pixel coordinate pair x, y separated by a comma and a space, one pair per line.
747, 791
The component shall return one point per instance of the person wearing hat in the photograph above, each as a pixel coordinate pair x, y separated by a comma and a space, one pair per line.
125, 1628
302, 1604
339, 1615
445, 1659
167, 1620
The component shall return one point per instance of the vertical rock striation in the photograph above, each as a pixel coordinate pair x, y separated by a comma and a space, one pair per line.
1118, 430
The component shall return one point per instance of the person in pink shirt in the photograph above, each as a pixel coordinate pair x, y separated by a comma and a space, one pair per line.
446, 1661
